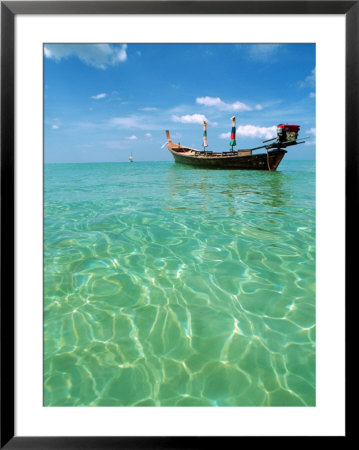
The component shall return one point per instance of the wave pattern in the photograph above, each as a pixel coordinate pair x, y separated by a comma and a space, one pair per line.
166, 285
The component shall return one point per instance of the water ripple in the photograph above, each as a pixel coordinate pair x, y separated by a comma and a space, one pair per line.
169, 286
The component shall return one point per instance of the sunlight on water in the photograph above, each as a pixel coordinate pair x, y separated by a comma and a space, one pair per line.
166, 285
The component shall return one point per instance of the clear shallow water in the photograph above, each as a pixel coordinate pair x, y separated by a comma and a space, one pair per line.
166, 285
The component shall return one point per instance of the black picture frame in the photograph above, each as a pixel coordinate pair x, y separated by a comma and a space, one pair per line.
9, 9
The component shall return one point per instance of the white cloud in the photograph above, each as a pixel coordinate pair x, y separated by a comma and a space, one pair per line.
120, 55
55, 127
221, 105
253, 131
149, 135
136, 122
308, 81
209, 101
98, 96
47, 52
225, 135
263, 52
132, 138
97, 55
311, 133
312, 95
127, 122
149, 108
194, 118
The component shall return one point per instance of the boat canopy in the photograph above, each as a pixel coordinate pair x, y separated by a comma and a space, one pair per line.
287, 127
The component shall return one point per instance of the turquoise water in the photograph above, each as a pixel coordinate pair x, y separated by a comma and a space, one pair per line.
166, 285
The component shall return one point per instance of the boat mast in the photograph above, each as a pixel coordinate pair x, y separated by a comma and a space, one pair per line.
205, 143
233, 133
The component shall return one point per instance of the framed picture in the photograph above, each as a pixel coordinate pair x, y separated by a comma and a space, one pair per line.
166, 243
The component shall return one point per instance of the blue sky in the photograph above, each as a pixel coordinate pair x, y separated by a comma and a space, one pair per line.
104, 101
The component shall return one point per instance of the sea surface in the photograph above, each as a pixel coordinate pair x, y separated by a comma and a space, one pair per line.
167, 285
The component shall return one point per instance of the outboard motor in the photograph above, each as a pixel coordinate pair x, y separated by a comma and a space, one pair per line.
287, 133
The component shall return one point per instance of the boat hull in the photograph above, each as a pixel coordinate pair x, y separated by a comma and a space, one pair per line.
262, 161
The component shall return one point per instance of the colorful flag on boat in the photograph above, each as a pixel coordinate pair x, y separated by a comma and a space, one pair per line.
233, 132
205, 144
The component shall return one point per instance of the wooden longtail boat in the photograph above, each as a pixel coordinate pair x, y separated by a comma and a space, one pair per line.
240, 159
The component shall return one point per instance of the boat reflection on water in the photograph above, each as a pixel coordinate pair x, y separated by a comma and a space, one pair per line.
205, 189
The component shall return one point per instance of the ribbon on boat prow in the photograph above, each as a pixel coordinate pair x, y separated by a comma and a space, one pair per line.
205, 143
233, 133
